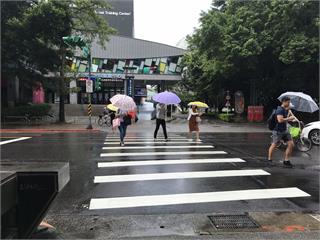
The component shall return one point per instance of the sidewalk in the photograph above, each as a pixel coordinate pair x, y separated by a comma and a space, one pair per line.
281, 225
176, 126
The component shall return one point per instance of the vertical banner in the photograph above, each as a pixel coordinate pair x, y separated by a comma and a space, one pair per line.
239, 102
129, 85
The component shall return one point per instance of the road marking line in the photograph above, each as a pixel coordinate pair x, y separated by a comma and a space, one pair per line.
152, 142
315, 216
156, 147
14, 140
178, 175
187, 198
129, 163
167, 162
161, 153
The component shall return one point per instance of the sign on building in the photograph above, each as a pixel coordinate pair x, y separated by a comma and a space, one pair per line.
89, 86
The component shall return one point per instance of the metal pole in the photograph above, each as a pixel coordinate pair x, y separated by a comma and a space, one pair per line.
89, 96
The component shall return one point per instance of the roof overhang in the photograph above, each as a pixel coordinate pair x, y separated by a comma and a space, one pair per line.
119, 47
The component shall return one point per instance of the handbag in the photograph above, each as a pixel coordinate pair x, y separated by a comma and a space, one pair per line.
116, 122
127, 120
198, 119
153, 115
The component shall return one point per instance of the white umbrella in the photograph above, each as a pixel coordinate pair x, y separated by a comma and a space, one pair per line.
301, 101
123, 102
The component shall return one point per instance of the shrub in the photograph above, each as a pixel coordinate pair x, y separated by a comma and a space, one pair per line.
226, 117
32, 110
211, 114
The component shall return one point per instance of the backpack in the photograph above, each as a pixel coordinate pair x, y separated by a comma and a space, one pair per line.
272, 121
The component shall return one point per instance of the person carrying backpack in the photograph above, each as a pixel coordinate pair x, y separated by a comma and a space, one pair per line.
278, 124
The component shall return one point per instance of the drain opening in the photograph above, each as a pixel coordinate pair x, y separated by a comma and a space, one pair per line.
240, 221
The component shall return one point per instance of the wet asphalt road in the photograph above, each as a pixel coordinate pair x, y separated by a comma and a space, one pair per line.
82, 151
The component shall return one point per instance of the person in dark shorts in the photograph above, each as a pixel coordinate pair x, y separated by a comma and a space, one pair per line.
280, 132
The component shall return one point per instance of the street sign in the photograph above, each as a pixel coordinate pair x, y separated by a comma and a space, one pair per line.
89, 86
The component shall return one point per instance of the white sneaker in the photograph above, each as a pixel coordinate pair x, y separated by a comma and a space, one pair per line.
190, 140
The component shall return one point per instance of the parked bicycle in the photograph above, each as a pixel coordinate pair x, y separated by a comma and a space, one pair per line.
105, 119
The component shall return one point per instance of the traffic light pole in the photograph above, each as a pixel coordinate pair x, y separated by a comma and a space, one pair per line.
77, 41
89, 95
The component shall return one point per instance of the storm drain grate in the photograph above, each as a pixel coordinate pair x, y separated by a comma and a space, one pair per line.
233, 221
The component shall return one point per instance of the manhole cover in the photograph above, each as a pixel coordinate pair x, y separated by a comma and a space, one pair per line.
233, 221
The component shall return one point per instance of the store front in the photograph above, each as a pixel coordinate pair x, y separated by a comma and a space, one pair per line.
109, 88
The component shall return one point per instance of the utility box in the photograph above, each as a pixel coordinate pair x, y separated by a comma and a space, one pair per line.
255, 113
27, 191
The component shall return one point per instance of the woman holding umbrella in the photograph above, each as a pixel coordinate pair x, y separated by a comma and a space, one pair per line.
124, 104
124, 121
194, 118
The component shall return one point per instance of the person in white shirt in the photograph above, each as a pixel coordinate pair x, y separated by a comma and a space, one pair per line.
161, 111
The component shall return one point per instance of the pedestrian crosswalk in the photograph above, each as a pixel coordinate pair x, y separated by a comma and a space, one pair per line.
190, 161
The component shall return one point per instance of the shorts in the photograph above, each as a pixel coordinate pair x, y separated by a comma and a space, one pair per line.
278, 136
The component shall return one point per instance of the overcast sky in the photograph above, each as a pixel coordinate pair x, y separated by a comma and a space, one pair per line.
167, 21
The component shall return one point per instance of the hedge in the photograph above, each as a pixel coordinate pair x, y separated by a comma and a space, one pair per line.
226, 117
32, 110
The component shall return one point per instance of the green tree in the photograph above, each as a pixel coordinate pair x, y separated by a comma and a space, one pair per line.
44, 23
22, 54
271, 46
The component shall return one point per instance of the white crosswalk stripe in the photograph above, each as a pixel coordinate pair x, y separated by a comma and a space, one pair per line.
161, 153
157, 147
178, 175
168, 162
172, 137
146, 139
206, 197
152, 142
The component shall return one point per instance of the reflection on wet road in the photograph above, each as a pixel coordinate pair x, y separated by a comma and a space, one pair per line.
147, 177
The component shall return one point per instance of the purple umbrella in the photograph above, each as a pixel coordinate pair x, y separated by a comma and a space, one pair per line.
166, 98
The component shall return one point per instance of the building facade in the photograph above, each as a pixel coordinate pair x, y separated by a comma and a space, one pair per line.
126, 66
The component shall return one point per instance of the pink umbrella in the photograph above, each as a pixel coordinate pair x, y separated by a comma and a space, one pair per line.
123, 102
